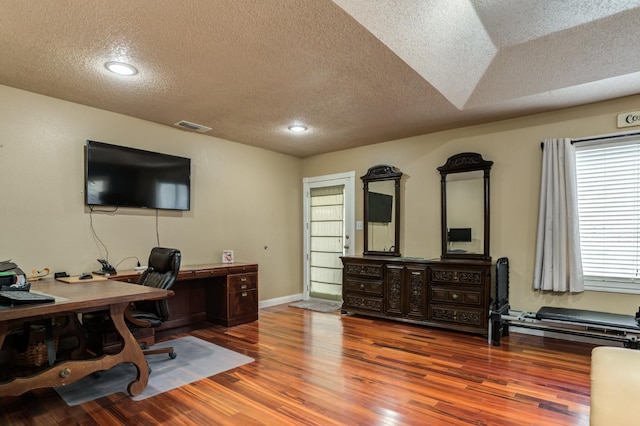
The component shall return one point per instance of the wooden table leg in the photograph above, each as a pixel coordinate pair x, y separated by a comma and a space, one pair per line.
131, 351
68, 372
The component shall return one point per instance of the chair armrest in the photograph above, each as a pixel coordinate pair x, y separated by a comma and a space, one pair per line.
135, 321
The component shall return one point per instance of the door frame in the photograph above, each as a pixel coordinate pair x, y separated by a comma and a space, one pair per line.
348, 180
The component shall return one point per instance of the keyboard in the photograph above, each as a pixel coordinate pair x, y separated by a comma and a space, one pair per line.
23, 297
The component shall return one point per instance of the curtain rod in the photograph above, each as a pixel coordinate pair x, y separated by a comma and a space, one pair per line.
605, 137
600, 138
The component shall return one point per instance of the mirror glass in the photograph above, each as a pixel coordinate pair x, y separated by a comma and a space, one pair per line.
381, 211
381, 217
465, 207
465, 212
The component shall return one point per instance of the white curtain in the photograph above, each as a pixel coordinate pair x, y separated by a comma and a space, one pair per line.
558, 259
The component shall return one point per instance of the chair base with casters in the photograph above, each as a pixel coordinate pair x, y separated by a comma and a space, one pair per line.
145, 320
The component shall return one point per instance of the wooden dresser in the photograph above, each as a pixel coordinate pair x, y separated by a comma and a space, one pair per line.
225, 294
451, 294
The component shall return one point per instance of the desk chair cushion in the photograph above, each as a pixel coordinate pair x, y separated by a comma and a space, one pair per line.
148, 317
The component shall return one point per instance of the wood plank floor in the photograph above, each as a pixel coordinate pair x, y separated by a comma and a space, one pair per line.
315, 368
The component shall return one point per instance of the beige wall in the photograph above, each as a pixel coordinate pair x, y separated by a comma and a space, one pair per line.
514, 147
44, 222
243, 198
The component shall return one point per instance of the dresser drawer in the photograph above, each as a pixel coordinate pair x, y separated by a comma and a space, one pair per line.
453, 295
364, 270
469, 317
241, 282
466, 276
363, 286
362, 303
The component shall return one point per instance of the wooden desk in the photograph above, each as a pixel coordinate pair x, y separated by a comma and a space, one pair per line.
73, 299
225, 294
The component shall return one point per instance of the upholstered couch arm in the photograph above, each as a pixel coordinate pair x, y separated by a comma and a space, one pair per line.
615, 386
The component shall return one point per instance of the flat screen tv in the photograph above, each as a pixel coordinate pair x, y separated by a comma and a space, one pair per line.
460, 235
127, 177
379, 208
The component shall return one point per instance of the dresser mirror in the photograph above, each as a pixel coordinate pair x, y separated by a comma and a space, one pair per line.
465, 207
382, 211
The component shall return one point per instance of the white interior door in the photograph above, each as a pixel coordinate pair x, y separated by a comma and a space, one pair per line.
329, 215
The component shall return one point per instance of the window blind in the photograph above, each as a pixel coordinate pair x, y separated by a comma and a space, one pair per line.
608, 179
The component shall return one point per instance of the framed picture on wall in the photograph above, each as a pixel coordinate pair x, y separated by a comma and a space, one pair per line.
227, 256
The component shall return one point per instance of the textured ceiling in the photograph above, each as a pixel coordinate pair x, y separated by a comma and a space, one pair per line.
356, 72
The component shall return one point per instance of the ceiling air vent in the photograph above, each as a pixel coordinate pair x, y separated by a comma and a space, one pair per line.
192, 126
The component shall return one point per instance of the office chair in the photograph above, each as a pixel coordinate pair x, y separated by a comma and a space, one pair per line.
161, 272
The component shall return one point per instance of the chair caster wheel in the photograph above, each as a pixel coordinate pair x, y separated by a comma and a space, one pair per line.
173, 355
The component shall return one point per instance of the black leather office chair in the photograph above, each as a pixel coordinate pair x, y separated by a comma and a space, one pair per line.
162, 270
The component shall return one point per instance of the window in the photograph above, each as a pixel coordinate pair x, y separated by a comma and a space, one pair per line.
608, 177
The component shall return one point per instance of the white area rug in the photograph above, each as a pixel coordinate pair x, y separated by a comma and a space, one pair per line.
196, 360
318, 305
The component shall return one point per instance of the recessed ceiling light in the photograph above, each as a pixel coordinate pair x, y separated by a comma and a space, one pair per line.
121, 68
297, 128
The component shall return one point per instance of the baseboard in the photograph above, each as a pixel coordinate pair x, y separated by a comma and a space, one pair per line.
280, 300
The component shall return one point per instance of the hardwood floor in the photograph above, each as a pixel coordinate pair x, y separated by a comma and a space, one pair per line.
314, 368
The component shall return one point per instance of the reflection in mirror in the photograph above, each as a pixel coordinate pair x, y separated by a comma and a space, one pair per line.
465, 212
381, 217
465, 207
382, 211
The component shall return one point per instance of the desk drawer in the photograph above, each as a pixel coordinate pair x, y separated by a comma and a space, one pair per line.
243, 303
205, 273
242, 282
242, 269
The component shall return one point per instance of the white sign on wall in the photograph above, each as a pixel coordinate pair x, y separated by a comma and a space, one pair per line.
628, 119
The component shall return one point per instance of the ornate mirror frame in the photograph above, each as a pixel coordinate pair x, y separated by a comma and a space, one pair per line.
459, 163
382, 173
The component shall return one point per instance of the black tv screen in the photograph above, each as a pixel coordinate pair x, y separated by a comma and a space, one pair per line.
128, 177
380, 208
460, 235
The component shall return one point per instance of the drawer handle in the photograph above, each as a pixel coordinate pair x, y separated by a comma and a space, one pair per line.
245, 294
243, 286
454, 296
362, 286
243, 279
